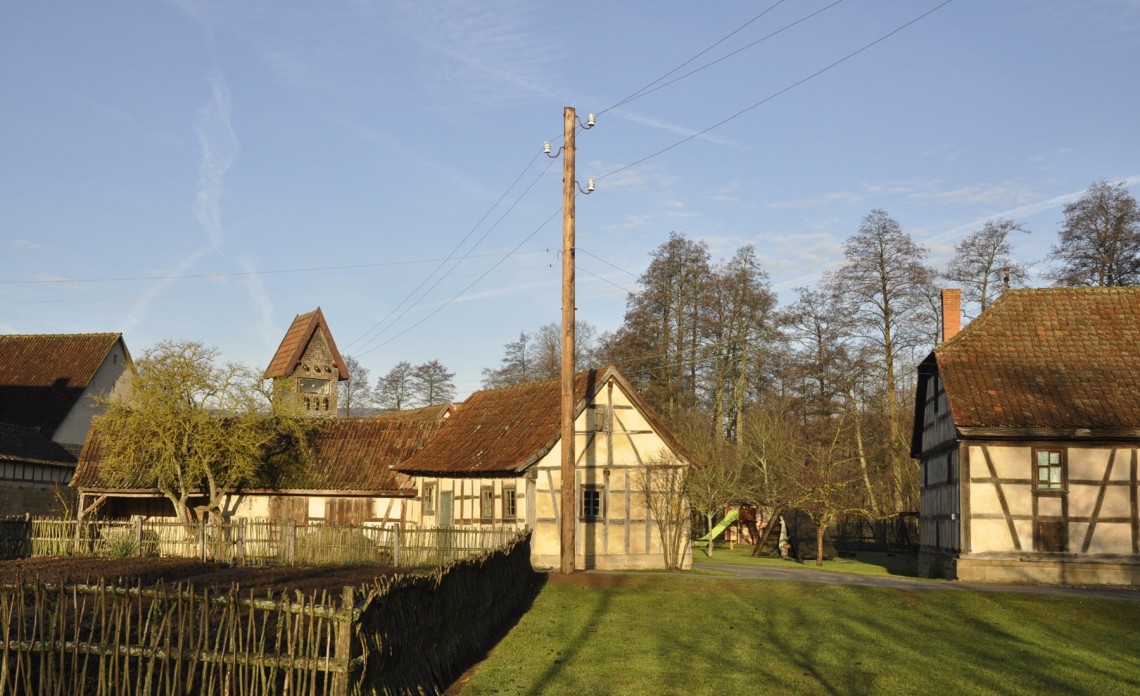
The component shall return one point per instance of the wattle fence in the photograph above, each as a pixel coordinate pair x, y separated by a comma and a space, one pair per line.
246, 541
404, 634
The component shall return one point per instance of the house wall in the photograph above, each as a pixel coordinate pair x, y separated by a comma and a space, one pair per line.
37, 497
610, 453
108, 378
331, 508
1086, 531
939, 506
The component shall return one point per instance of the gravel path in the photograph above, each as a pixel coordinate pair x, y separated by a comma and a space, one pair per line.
904, 583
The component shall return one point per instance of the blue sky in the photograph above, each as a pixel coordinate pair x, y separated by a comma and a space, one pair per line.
207, 170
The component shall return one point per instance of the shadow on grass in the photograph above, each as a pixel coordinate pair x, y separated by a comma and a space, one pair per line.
901, 563
464, 671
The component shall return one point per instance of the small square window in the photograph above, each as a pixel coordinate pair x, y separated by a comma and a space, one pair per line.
1049, 469
510, 504
593, 502
429, 498
487, 503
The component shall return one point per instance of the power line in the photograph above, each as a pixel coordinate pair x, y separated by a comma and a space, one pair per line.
772, 96
437, 310
237, 274
452, 252
460, 260
599, 258
646, 90
188, 296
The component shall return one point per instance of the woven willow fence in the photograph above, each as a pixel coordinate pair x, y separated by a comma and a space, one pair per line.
408, 634
246, 541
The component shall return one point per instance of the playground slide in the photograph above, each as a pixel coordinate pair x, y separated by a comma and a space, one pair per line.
731, 517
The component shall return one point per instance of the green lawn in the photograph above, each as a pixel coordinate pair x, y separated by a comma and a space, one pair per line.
863, 563
673, 634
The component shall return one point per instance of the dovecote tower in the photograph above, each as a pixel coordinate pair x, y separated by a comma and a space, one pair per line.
308, 366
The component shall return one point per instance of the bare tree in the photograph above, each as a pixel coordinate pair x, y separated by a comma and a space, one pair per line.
663, 484
822, 482
735, 313
516, 367
884, 286
715, 476
394, 390
1099, 242
538, 355
432, 383
356, 391
658, 343
983, 260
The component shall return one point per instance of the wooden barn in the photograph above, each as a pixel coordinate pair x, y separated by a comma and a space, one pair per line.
49, 387
1027, 427
497, 463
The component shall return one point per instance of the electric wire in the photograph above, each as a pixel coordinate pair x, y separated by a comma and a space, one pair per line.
459, 294
237, 274
453, 250
460, 260
772, 96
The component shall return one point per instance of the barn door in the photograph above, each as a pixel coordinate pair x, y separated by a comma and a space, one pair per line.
445, 508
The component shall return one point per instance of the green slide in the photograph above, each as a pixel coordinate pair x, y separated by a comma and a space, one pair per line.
731, 517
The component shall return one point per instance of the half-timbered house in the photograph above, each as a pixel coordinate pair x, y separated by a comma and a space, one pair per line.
497, 463
1027, 427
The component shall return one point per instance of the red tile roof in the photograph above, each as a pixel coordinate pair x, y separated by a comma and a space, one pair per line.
359, 454
43, 376
504, 431
350, 454
297, 338
431, 413
1057, 358
20, 444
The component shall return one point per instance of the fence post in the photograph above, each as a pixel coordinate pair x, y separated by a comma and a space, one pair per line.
138, 536
341, 679
396, 532
202, 540
291, 543
239, 543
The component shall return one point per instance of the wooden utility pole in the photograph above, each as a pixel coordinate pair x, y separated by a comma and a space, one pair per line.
569, 478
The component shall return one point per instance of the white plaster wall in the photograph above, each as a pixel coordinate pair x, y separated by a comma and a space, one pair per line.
108, 378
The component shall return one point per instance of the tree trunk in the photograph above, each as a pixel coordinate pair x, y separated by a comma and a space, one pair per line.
863, 462
820, 531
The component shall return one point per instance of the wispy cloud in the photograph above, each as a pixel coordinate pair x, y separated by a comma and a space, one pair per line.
1023, 211
488, 47
21, 245
219, 150
983, 193
138, 311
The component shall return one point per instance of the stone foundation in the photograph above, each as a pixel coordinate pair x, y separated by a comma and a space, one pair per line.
1022, 569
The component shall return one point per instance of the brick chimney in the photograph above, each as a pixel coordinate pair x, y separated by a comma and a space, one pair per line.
951, 313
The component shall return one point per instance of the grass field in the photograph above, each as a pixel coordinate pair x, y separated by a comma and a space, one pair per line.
675, 634
863, 563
